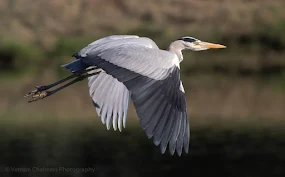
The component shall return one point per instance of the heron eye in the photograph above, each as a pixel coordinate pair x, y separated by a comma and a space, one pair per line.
196, 43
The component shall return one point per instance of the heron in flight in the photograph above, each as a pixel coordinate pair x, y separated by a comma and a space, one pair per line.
124, 67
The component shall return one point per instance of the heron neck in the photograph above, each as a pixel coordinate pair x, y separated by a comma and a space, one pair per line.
176, 47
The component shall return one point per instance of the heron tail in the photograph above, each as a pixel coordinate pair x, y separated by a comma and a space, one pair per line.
75, 66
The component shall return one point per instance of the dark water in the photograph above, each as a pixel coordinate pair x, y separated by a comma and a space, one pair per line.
78, 150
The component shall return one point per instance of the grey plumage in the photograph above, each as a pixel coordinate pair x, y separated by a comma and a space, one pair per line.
124, 67
135, 68
151, 82
154, 86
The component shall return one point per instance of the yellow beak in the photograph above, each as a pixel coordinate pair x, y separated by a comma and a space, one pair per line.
212, 45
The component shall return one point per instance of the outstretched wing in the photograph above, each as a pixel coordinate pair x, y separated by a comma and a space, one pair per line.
152, 76
111, 99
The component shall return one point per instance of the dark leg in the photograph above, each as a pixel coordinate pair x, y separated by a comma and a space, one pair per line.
43, 94
46, 87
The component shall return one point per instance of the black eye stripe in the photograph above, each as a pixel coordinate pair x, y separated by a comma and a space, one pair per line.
189, 39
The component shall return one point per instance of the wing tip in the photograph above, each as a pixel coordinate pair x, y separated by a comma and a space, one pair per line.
174, 148
162, 149
95, 104
156, 142
172, 152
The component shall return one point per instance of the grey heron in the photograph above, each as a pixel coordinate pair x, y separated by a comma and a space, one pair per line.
124, 67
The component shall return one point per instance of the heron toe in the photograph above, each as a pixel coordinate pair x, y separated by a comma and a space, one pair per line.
38, 96
32, 92
37, 90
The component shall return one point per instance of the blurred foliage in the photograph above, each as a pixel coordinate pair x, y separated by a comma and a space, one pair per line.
17, 56
241, 48
63, 49
273, 37
68, 46
159, 35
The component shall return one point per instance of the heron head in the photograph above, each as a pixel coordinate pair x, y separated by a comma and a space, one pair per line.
197, 45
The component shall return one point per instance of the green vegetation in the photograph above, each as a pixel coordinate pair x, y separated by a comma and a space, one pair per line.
17, 56
244, 52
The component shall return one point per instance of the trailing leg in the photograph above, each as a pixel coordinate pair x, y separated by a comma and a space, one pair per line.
41, 91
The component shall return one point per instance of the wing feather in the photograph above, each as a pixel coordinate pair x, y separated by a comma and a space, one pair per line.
179, 143
153, 123
167, 131
148, 109
126, 103
109, 105
161, 126
142, 60
112, 97
115, 108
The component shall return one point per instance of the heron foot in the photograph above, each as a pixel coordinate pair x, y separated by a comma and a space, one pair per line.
38, 96
36, 91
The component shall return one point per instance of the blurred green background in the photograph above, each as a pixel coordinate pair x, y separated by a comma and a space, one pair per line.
236, 96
